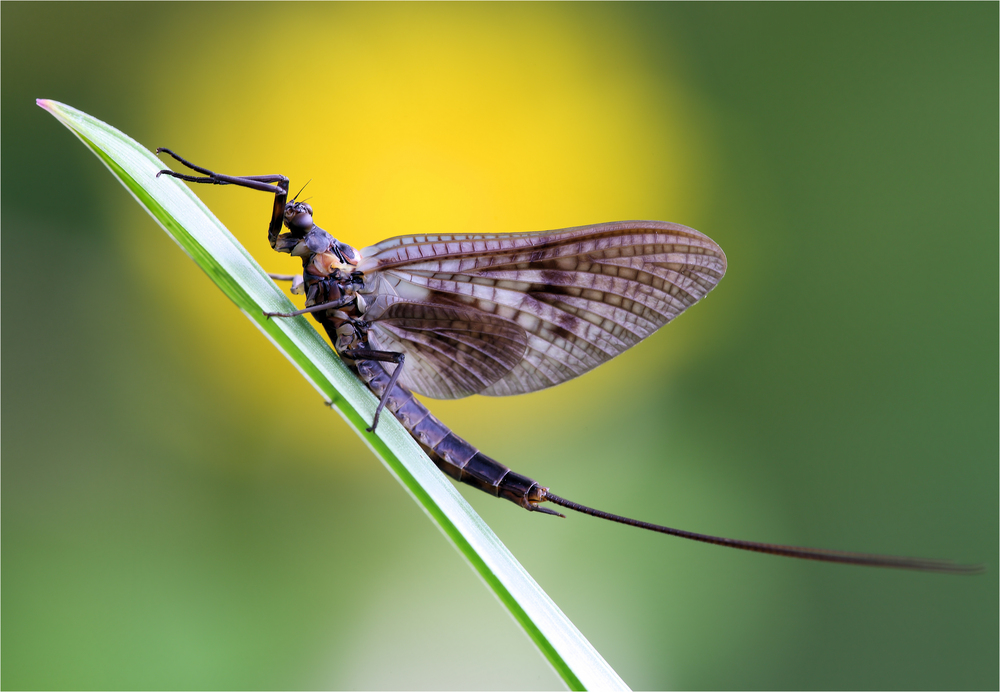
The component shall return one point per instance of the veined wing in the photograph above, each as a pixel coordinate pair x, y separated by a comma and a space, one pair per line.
582, 295
452, 351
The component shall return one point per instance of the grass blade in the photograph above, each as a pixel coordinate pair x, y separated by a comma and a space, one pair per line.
192, 226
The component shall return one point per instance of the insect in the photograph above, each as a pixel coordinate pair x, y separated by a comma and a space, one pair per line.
447, 316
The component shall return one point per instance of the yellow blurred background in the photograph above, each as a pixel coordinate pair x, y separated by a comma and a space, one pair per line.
181, 511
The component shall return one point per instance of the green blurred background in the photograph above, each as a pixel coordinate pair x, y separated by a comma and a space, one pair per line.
181, 511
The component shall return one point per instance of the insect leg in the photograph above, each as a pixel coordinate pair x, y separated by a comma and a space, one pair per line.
345, 300
296, 279
384, 357
254, 182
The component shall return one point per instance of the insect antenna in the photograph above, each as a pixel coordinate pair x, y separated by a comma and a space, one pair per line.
300, 191
866, 559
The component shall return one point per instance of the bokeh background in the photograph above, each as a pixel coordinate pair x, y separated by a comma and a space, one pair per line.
179, 510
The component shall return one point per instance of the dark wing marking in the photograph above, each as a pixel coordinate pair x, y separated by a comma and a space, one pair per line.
451, 351
583, 295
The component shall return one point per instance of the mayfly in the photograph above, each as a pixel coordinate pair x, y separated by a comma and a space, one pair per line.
448, 316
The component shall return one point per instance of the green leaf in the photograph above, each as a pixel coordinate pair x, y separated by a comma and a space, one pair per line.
189, 222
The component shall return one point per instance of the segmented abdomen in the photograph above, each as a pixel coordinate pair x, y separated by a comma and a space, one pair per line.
451, 453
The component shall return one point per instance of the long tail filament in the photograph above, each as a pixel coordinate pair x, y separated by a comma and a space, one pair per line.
867, 559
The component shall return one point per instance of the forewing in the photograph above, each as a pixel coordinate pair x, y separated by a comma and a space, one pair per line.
582, 295
451, 351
